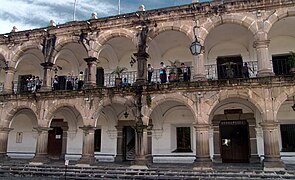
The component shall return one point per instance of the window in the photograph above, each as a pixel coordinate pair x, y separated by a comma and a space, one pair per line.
288, 137
97, 140
183, 137
280, 64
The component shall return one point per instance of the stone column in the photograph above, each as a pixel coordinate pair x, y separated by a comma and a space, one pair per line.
4, 131
141, 144
202, 150
91, 76
149, 143
119, 156
42, 144
88, 146
199, 68
8, 84
46, 82
263, 59
272, 158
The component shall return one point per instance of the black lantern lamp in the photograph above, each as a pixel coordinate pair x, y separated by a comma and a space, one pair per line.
196, 46
293, 107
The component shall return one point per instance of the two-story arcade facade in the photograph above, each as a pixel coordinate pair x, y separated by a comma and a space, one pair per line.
218, 116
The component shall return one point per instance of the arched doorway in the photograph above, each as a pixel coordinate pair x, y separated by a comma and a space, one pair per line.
56, 138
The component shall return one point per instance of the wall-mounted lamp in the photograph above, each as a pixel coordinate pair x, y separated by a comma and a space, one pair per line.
133, 61
196, 46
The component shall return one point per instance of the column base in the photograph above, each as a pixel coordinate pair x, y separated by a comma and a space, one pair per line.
86, 160
7, 91
40, 159
273, 164
140, 161
89, 86
199, 77
203, 164
265, 73
255, 159
119, 158
45, 89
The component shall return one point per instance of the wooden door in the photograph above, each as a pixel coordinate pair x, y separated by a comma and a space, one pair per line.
229, 67
55, 142
234, 141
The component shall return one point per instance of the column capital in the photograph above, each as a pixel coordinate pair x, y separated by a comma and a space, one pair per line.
90, 59
42, 129
10, 69
7, 129
47, 65
261, 43
88, 128
269, 125
201, 127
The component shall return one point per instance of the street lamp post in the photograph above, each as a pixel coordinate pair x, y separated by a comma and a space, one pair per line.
141, 58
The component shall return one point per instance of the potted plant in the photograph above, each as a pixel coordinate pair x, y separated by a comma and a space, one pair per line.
173, 70
118, 71
291, 62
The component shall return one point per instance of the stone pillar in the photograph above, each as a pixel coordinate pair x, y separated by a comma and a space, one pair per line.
91, 76
119, 156
202, 150
141, 144
42, 144
8, 84
149, 143
88, 146
4, 131
263, 59
272, 158
46, 82
199, 68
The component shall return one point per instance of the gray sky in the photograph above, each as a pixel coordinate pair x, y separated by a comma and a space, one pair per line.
30, 14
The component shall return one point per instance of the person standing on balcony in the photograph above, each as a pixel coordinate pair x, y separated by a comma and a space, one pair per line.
150, 70
55, 83
69, 82
80, 80
33, 84
163, 74
245, 70
38, 83
184, 70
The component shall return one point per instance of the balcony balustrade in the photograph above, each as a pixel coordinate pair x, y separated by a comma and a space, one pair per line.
213, 72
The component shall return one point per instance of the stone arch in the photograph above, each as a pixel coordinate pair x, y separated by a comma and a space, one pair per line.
59, 105
282, 98
277, 16
170, 97
107, 101
249, 96
60, 43
22, 49
185, 29
107, 35
12, 111
4, 51
244, 21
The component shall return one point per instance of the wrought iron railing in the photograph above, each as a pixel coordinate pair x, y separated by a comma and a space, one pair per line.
213, 72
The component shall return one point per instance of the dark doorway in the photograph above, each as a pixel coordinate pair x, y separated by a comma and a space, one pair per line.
23, 83
234, 141
55, 142
128, 143
229, 67
280, 64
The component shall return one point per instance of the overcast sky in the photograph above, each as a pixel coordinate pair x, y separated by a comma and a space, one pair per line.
30, 14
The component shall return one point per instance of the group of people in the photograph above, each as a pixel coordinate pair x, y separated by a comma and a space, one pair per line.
183, 71
33, 84
71, 82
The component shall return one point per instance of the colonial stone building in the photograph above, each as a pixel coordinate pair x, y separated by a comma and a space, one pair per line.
220, 115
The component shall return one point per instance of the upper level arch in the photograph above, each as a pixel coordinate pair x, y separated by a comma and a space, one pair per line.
240, 19
21, 50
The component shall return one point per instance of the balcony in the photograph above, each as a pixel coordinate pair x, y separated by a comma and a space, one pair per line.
214, 72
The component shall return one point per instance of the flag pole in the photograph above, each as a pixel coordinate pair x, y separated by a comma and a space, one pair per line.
119, 6
75, 7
